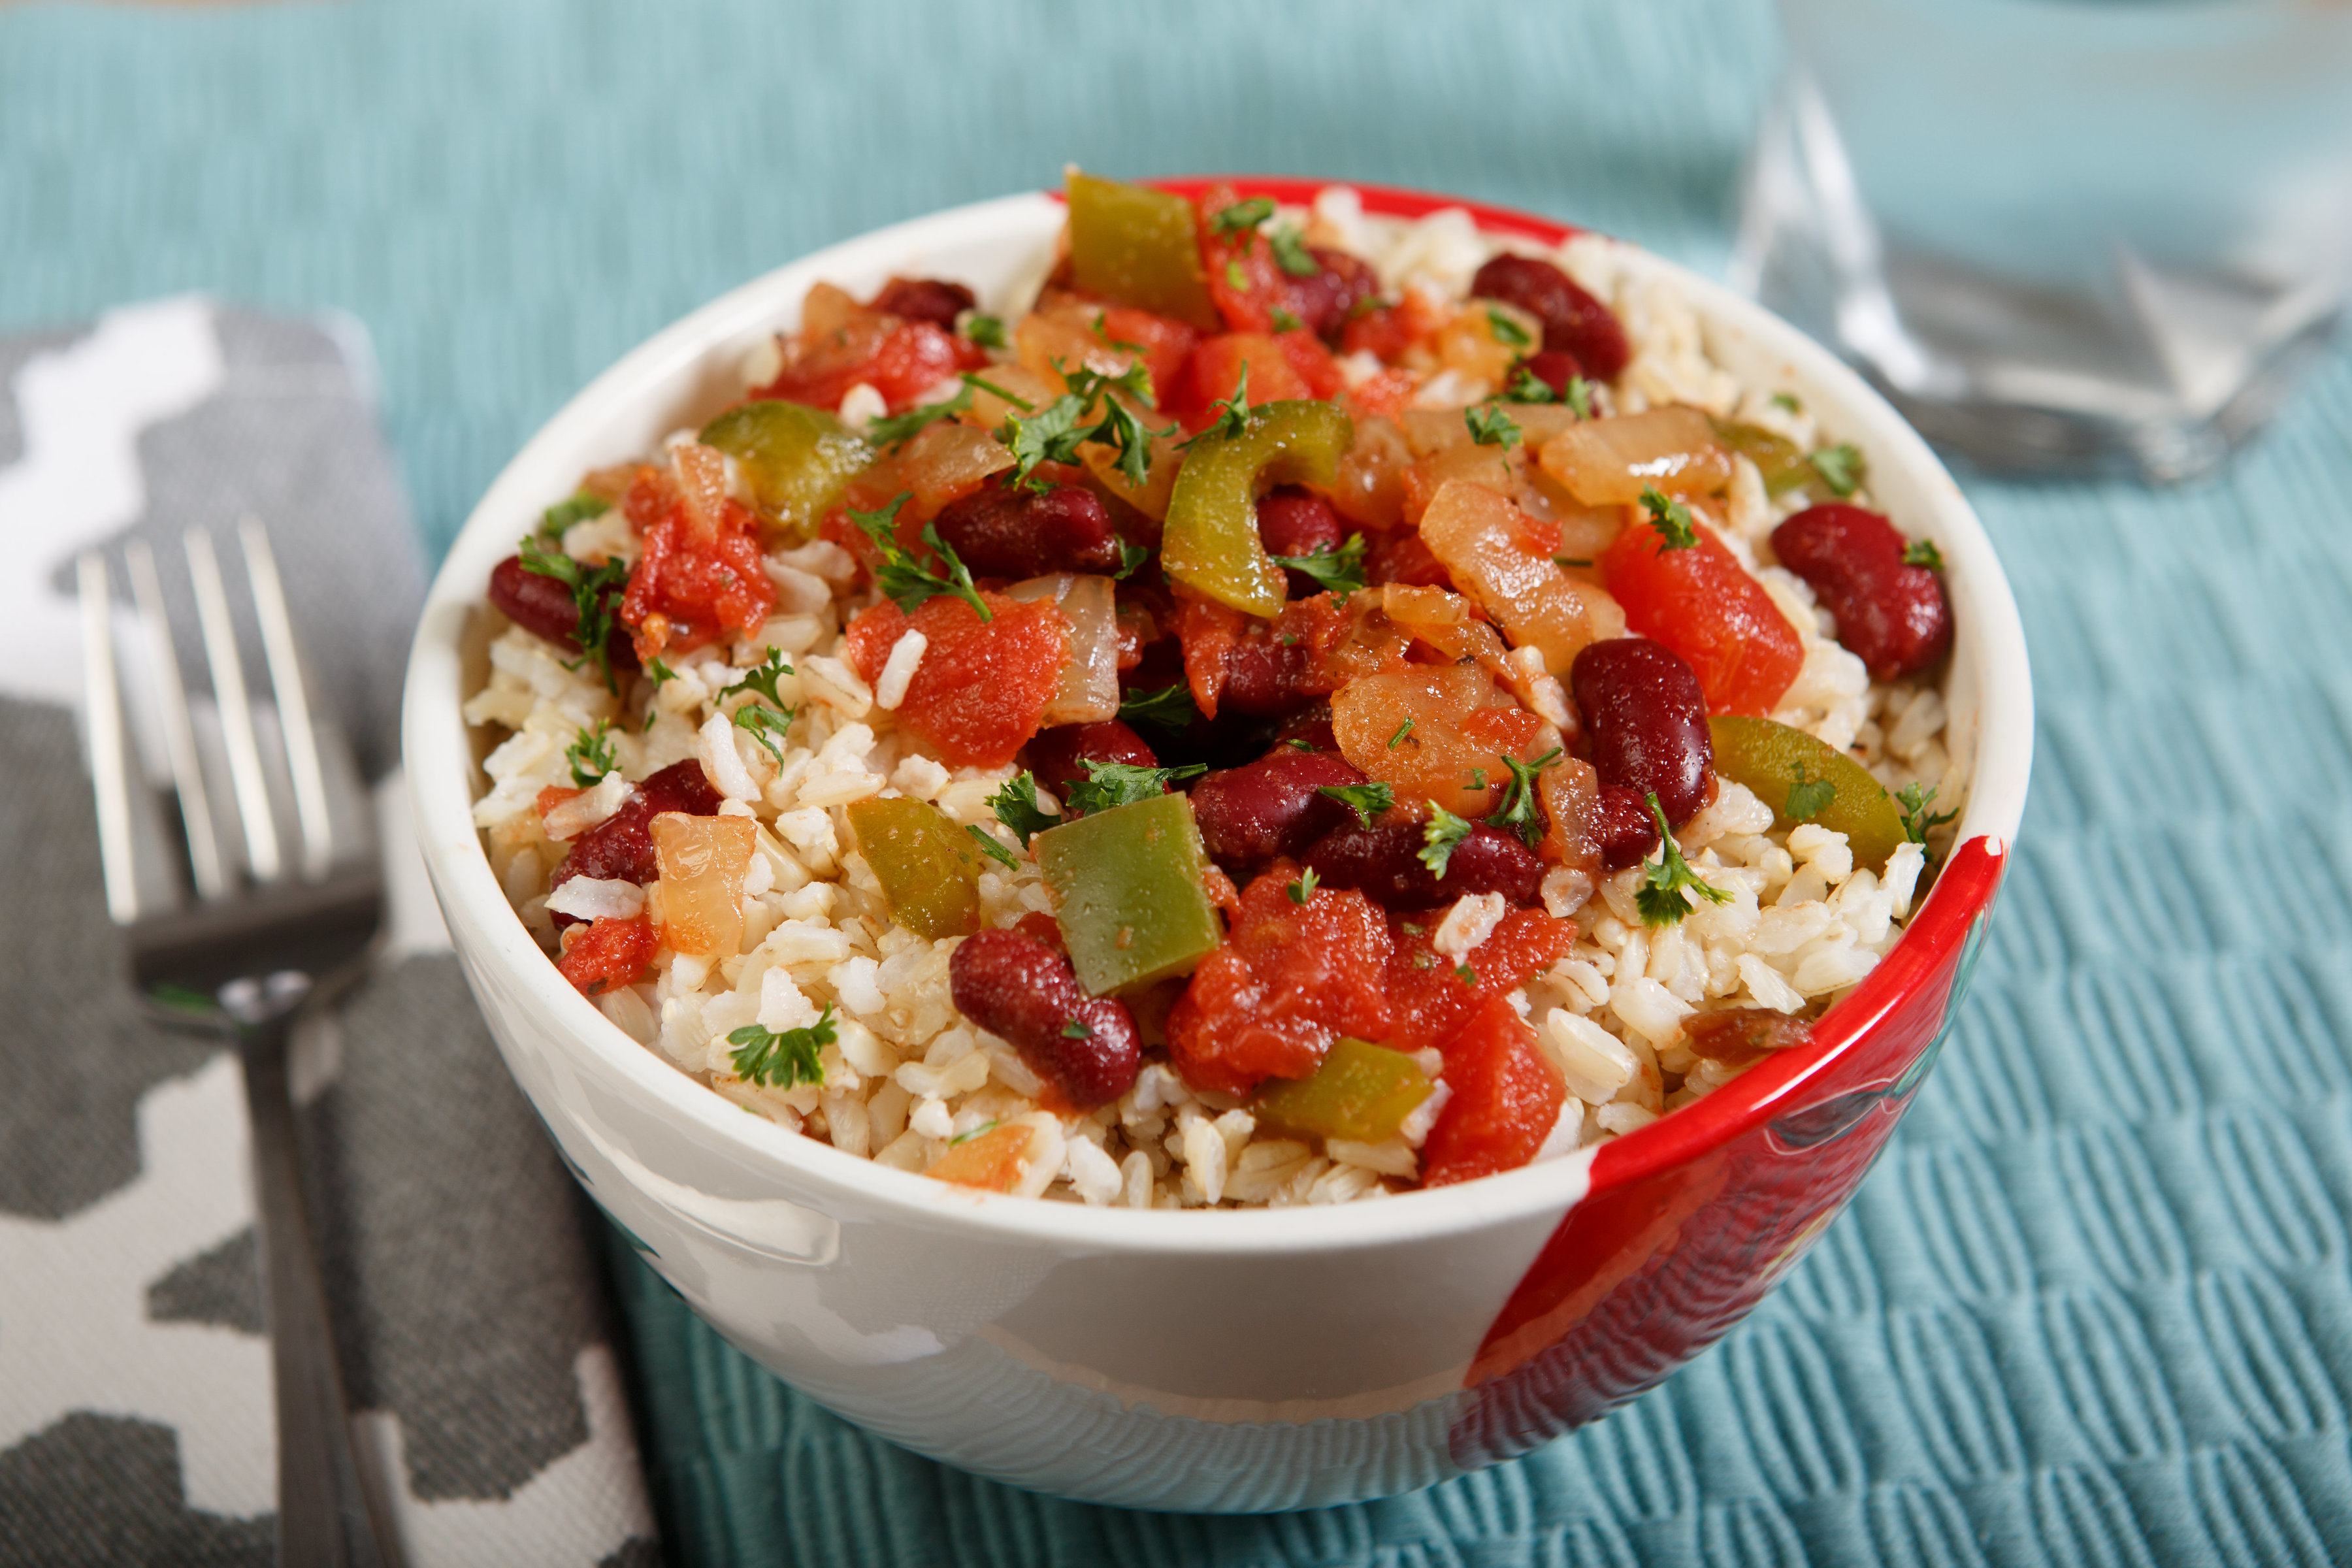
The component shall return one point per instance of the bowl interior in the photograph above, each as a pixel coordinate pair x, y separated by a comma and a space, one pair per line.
1002, 250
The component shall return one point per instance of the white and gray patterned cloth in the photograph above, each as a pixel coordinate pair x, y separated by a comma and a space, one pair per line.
135, 1410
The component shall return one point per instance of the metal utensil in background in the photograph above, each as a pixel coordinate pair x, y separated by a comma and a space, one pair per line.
231, 926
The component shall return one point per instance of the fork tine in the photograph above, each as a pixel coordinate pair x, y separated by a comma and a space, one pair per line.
293, 706
178, 735
102, 705
245, 777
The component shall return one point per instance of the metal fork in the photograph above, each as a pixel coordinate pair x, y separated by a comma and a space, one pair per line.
230, 929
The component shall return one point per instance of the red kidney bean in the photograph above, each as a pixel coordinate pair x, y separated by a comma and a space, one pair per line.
930, 300
622, 845
543, 606
1891, 615
1002, 531
1647, 717
1056, 756
1627, 832
1249, 815
1574, 321
1383, 862
1016, 987
1554, 367
1269, 680
1341, 283
1294, 520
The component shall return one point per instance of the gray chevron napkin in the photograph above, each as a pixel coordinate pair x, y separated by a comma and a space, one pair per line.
136, 1418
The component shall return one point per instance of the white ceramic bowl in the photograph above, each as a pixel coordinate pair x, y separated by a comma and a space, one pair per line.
1230, 1361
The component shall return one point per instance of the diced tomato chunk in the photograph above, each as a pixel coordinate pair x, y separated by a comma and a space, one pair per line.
1701, 603
1244, 279
692, 586
1167, 344
1507, 1098
1216, 370
1429, 995
901, 360
607, 954
1385, 396
982, 690
1288, 981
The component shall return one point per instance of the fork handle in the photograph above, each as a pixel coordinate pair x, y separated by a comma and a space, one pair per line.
324, 1510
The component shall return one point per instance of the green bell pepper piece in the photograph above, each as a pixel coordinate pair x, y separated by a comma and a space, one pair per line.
925, 863
1127, 883
1779, 460
798, 458
1140, 248
1360, 1091
1787, 767
1210, 541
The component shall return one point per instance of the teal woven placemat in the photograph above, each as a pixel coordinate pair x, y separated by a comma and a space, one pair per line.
2094, 1304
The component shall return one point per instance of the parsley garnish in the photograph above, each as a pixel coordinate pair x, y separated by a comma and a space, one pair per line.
1506, 332
1808, 798
776, 1059
1130, 556
1365, 800
1788, 400
1076, 1029
1241, 217
1490, 426
590, 754
989, 846
761, 677
1234, 276
1340, 570
1109, 784
988, 331
1303, 889
661, 673
1917, 822
594, 590
1296, 744
1290, 252
764, 725
1402, 730
897, 429
1016, 804
1283, 322
1519, 813
1571, 560
1054, 434
1439, 837
1923, 552
1840, 467
1671, 519
1464, 973
580, 508
1170, 708
908, 583
1578, 397
1477, 778
1233, 412
1660, 896
990, 1125
1527, 386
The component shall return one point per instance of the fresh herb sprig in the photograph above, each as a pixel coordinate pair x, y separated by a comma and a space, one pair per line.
595, 597
986, 330
1365, 800
1506, 332
762, 678
590, 754
893, 430
779, 1059
1670, 519
1110, 784
990, 847
1439, 837
1923, 552
1839, 467
1055, 433
769, 728
907, 582
1340, 570
1015, 806
1660, 897
1168, 707
1918, 821
1233, 412
1808, 798
1490, 426
1521, 811
1303, 890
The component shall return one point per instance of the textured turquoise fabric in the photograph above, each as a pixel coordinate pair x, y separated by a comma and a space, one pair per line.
2093, 1306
